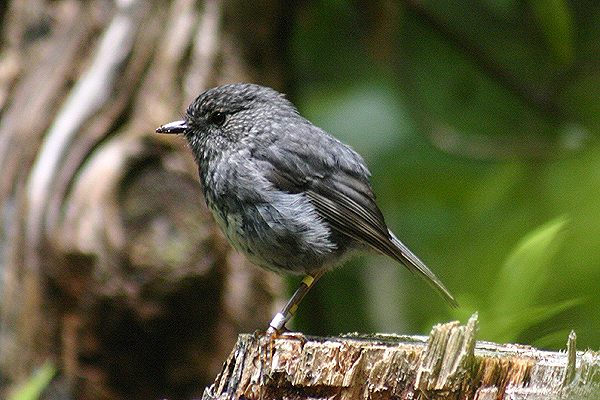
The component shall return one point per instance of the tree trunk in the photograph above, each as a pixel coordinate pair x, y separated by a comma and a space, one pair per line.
111, 263
449, 364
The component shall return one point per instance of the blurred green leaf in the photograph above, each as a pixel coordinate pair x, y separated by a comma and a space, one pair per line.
556, 23
502, 7
552, 339
526, 269
539, 314
521, 280
33, 388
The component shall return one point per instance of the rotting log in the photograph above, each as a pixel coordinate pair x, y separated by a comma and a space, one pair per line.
449, 364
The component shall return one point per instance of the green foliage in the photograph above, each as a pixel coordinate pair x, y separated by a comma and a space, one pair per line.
556, 22
511, 306
492, 112
37, 383
526, 270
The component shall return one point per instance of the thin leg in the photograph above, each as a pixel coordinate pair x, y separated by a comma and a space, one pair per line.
281, 318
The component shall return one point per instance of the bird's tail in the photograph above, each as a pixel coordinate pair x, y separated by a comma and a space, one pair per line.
416, 266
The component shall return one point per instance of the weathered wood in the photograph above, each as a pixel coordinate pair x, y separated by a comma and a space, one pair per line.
449, 364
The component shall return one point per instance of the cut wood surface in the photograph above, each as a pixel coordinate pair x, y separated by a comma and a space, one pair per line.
449, 364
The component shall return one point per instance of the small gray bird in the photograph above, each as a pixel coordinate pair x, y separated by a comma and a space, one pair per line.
287, 194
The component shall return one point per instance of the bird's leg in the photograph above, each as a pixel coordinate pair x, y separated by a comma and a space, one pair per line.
281, 318
277, 325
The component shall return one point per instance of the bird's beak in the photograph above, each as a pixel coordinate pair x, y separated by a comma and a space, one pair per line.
173, 127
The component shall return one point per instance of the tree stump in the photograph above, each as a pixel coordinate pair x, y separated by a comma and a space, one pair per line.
449, 364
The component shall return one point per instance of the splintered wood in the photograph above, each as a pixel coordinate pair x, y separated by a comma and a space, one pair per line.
449, 364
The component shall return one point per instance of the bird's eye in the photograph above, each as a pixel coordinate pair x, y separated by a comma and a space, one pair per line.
217, 118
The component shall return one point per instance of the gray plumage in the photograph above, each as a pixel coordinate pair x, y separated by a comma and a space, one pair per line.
287, 194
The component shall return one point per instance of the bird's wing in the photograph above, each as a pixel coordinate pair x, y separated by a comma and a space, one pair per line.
346, 202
